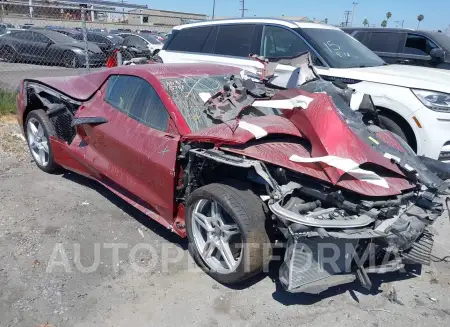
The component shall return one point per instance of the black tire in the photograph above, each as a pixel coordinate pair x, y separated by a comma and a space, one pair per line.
127, 55
392, 126
9, 54
249, 213
49, 130
69, 60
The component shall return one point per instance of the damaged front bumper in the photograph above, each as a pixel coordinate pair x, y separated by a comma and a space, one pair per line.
326, 247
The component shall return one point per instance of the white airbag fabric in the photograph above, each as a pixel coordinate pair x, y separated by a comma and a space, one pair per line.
347, 165
299, 101
257, 131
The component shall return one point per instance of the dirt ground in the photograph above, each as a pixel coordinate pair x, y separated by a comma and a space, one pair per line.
53, 227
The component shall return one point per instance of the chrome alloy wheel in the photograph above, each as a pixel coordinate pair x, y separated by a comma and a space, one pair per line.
38, 142
217, 236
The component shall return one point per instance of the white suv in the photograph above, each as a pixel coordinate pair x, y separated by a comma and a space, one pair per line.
414, 101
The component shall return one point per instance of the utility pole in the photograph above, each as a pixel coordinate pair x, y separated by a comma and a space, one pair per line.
243, 9
397, 22
214, 8
354, 11
123, 13
346, 14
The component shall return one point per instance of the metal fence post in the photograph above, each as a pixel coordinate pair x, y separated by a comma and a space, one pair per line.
83, 27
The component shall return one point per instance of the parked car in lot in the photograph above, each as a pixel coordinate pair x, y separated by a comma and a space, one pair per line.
6, 25
234, 167
404, 46
105, 41
141, 45
48, 47
414, 102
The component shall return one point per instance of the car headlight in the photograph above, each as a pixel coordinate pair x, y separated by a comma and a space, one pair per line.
434, 100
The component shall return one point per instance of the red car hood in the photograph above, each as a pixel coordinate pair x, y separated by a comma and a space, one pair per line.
313, 141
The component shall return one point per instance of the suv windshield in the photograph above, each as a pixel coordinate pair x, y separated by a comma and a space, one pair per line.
442, 39
185, 92
339, 49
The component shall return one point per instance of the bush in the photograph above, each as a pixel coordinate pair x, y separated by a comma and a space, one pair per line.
7, 102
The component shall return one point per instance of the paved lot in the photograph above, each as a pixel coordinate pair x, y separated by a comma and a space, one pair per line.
12, 73
42, 214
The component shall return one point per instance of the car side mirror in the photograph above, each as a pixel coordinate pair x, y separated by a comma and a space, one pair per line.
437, 55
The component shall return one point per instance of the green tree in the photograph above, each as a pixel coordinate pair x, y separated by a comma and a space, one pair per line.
326, 20
384, 23
365, 22
388, 15
420, 18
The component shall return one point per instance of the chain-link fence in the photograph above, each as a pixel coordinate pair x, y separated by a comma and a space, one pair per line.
63, 38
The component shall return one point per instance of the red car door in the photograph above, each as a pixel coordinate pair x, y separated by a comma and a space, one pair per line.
133, 153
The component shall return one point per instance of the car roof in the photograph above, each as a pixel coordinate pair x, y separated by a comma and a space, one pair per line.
287, 23
69, 30
380, 29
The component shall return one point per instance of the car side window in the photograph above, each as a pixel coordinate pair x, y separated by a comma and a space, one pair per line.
280, 42
360, 36
134, 41
384, 41
235, 40
40, 38
136, 98
23, 36
418, 45
190, 39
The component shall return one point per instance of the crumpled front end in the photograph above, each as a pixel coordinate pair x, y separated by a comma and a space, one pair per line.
348, 197
332, 241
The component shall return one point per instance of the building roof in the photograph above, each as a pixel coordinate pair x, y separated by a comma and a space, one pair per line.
143, 11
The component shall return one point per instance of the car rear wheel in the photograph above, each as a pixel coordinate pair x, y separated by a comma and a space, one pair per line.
70, 60
9, 54
226, 232
38, 130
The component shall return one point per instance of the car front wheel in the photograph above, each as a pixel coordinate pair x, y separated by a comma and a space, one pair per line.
226, 232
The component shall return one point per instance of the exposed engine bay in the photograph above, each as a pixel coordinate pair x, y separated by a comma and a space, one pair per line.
335, 232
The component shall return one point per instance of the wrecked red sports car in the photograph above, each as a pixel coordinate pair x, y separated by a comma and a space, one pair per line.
239, 163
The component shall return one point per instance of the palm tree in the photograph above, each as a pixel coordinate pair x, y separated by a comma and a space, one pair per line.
384, 23
365, 22
420, 18
388, 15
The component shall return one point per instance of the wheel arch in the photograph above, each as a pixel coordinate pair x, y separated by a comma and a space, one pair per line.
404, 125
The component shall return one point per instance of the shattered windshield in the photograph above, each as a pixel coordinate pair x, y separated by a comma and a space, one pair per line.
339, 49
190, 94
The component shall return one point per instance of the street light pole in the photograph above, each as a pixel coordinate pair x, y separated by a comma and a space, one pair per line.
214, 8
354, 12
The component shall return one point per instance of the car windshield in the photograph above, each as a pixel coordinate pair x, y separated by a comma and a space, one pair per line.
189, 94
150, 38
59, 37
442, 39
339, 49
115, 39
